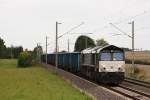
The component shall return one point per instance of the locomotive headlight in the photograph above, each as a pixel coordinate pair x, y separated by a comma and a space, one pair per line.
119, 69
104, 68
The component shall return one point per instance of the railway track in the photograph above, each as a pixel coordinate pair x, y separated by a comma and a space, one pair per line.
134, 89
138, 89
128, 91
132, 94
99, 91
138, 82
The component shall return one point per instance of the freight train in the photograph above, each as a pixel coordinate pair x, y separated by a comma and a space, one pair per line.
102, 64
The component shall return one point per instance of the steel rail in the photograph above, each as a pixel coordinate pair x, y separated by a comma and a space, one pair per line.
138, 82
136, 91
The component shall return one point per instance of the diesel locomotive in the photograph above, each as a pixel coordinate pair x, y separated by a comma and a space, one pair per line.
103, 64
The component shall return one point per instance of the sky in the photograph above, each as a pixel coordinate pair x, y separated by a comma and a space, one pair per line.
28, 22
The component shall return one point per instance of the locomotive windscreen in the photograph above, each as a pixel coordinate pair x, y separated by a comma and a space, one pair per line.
118, 56
105, 56
114, 55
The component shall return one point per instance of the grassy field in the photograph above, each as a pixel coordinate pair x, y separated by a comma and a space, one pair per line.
141, 72
143, 56
34, 83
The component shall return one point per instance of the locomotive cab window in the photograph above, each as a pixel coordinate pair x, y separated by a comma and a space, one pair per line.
105, 56
118, 56
113, 55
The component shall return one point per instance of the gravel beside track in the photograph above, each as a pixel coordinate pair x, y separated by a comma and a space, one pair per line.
95, 91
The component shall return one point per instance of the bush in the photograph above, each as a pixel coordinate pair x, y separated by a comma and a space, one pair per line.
24, 59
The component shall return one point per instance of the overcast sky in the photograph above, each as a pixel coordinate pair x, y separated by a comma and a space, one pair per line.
27, 22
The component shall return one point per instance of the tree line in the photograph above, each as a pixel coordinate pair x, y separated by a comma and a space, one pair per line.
9, 52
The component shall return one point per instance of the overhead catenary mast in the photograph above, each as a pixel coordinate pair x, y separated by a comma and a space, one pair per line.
130, 36
46, 51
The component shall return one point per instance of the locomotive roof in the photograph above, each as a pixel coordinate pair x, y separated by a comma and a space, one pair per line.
97, 49
65, 53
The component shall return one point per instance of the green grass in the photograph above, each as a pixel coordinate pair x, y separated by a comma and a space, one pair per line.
5, 63
34, 83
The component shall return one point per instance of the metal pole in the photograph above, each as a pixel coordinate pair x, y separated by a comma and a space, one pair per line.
37, 53
11, 51
39, 50
68, 46
133, 45
56, 58
46, 50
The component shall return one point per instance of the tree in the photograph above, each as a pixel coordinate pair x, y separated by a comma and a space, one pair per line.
13, 52
36, 54
81, 43
17, 51
2, 48
101, 42
9, 52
